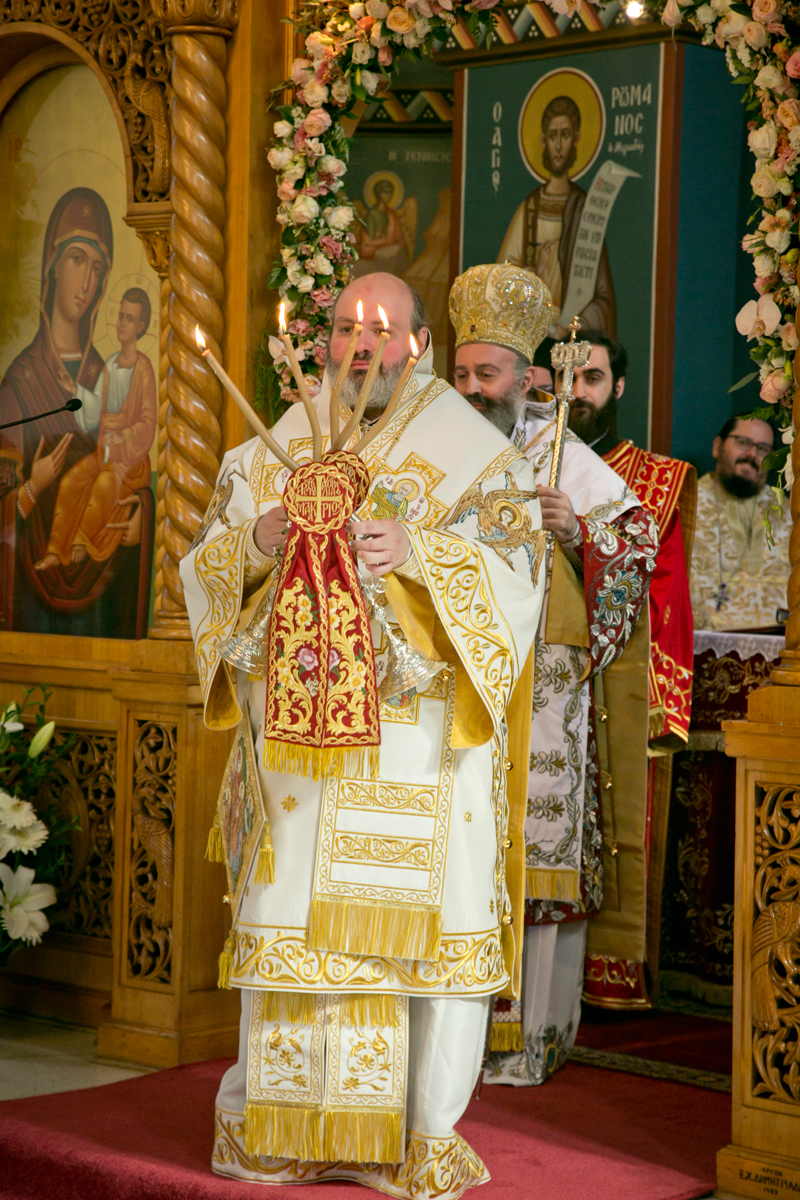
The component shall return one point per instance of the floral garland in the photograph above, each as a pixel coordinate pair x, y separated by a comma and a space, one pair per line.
350, 51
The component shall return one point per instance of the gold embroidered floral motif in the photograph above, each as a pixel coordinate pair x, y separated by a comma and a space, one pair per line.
386, 851
468, 817
289, 804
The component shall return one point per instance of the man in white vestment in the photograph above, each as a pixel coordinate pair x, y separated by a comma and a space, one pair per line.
739, 576
604, 556
366, 967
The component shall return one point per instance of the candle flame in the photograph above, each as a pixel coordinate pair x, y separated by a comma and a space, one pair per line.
414, 347
198, 337
282, 316
382, 316
360, 312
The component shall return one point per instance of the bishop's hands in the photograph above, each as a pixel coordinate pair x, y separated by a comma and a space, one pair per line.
269, 531
558, 515
380, 545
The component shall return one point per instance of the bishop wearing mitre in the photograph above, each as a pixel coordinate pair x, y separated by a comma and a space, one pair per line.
377, 898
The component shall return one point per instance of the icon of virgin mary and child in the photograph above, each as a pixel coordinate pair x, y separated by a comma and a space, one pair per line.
78, 508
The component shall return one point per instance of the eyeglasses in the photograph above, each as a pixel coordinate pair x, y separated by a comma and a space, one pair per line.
761, 448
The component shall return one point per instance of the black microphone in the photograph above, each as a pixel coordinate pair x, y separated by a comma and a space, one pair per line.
71, 406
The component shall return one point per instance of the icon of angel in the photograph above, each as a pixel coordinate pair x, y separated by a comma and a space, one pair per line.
387, 238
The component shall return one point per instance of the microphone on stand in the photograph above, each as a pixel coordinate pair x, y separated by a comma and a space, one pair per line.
71, 406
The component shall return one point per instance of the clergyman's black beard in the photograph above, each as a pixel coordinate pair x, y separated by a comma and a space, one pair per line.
501, 413
382, 388
738, 485
590, 423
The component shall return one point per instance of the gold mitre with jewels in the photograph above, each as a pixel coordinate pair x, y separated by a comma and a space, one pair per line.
502, 304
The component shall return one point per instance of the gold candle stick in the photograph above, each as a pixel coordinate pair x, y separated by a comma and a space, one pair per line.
311, 412
366, 387
394, 400
240, 402
342, 375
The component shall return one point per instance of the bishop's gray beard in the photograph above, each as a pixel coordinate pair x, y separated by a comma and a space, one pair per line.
382, 388
501, 413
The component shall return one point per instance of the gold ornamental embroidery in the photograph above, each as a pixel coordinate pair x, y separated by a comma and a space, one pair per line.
381, 851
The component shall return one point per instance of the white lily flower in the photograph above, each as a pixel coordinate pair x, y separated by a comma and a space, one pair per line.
21, 902
29, 838
15, 811
8, 718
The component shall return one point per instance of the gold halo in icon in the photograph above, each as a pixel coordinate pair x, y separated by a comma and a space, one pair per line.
398, 191
584, 92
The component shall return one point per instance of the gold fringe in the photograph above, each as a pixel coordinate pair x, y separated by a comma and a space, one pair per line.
655, 721
388, 929
284, 1131
355, 1135
366, 1009
265, 866
291, 1008
226, 961
506, 1035
543, 884
214, 850
333, 762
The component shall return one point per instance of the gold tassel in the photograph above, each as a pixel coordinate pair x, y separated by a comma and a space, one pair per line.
265, 867
214, 850
373, 1011
365, 928
336, 762
542, 884
506, 1035
284, 1131
291, 1008
226, 961
355, 1135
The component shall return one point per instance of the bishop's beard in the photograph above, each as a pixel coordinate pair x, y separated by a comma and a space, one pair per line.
385, 383
590, 423
501, 413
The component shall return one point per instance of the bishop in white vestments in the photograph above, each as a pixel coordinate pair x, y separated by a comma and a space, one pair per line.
374, 917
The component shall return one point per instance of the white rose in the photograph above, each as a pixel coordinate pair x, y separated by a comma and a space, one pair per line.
320, 264
315, 94
280, 157
370, 81
283, 129
770, 77
332, 165
376, 39
340, 91
765, 264
307, 284
294, 272
755, 35
764, 183
357, 11
763, 141
293, 173
377, 9
304, 209
731, 26
340, 217
362, 53
706, 14
778, 241
316, 44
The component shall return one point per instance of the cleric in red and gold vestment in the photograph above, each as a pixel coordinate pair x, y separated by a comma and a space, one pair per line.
667, 488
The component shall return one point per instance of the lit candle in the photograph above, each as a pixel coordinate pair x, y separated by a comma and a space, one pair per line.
369, 379
342, 374
311, 412
394, 400
240, 402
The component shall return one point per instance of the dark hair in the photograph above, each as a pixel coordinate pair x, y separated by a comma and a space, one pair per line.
139, 296
731, 423
562, 106
541, 357
617, 354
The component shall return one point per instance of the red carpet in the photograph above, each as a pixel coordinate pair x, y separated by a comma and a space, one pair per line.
683, 1039
588, 1132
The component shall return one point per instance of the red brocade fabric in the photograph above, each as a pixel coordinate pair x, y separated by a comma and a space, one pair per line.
322, 699
151, 1139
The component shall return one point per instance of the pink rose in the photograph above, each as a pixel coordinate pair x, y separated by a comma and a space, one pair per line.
322, 297
319, 356
307, 658
316, 122
332, 248
793, 65
301, 71
775, 387
286, 191
385, 56
334, 659
299, 327
765, 10
764, 284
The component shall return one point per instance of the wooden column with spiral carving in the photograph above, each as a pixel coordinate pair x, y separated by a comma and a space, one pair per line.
192, 450
763, 1159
